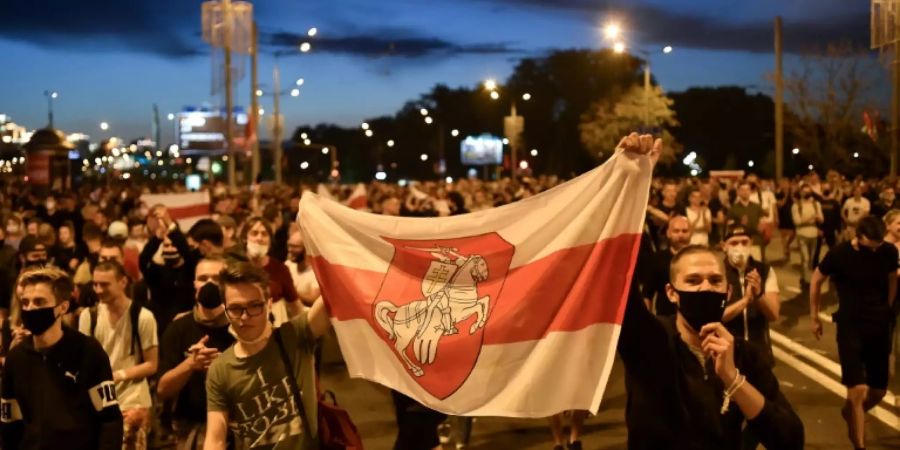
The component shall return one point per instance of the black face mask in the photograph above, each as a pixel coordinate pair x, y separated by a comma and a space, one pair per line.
209, 296
701, 307
38, 321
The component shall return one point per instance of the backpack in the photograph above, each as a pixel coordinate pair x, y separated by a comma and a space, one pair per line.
134, 311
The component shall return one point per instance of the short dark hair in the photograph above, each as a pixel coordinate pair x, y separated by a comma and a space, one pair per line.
91, 232
58, 280
113, 243
241, 272
112, 266
693, 249
871, 228
207, 230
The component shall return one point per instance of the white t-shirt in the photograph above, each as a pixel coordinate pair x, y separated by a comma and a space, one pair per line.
766, 201
699, 235
116, 341
856, 209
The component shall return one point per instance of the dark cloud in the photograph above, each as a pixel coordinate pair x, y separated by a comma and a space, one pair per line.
382, 43
668, 26
160, 26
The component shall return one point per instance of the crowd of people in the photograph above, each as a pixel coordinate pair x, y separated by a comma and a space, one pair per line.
182, 319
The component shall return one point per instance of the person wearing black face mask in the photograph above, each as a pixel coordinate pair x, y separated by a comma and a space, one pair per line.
57, 386
32, 252
189, 345
169, 275
690, 385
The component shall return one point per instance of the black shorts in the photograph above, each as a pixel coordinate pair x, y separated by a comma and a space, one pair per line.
864, 352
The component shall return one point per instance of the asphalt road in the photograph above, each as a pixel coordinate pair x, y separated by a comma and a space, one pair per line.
806, 368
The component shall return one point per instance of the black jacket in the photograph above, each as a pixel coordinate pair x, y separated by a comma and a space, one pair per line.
63, 397
673, 403
171, 288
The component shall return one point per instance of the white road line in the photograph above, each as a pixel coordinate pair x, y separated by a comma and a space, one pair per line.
822, 361
888, 418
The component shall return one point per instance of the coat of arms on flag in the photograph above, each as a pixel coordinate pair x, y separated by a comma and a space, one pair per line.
513, 311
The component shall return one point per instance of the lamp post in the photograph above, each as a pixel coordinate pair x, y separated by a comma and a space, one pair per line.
51, 95
513, 124
613, 32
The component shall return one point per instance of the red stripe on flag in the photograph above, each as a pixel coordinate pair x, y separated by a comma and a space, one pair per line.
186, 212
565, 291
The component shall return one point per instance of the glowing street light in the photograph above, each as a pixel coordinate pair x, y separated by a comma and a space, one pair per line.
300, 81
304, 136
325, 150
104, 126
423, 112
259, 92
369, 133
54, 94
295, 92
490, 84
454, 132
667, 49
305, 47
856, 154
390, 143
619, 47
312, 32
261, 111
365, 126
307, 142
750, 163
534, 152
523, 165
171, 116
612, 30
304, 165
495, 95
423, 157
795, 151
526, 96
429, 120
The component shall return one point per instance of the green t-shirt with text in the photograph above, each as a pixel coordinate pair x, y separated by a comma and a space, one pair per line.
256, 394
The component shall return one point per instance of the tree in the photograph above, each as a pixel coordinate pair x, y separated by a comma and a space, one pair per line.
606, 121
826, 97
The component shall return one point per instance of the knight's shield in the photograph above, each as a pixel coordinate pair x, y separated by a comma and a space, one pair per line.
414, 275
437, 276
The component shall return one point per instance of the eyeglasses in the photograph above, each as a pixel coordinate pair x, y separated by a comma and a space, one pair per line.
252, 310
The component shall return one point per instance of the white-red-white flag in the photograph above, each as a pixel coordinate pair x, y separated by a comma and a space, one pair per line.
513, 311
358, 198
185, 208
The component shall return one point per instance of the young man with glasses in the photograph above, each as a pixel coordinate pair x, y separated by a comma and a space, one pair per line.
248, 387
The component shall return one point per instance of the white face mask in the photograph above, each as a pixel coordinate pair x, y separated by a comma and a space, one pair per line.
738, 255
255, 250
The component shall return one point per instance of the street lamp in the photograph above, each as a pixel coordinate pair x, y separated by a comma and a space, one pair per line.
312, 32
495, 95
490, 84
795, 151
51, 95
365, 126
526, 96
423, 112
104, 126
295, 92
667, 49
612, 30
305, 47
619, 47
171, 116
300, 82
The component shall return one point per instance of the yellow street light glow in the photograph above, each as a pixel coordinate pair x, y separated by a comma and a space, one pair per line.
796, 151
262, 111
526, 96
304, 136
305, 47
104, 126
307, 142
423, 112
304, 165
312, 32
454, 132
495, 95
369, 133
390, 143
490, 84
523, 165
612, 30
365, 125
429, 120
325, 150
259, 92
423, 157
534, 152
619, 47
667, 49
295, 92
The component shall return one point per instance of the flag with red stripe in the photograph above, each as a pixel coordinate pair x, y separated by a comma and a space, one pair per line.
185, 208
513, 311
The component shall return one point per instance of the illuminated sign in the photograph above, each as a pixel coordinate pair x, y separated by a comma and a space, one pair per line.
481, 150
204, 130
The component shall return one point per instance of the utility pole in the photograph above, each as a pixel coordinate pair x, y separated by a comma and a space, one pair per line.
276, 128
254, 106
229, 102
779, 103
647, 94
156, 133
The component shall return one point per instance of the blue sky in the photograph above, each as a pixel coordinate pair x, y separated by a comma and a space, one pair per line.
111, 60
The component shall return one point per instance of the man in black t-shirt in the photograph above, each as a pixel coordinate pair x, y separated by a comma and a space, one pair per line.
865, 273
189, 346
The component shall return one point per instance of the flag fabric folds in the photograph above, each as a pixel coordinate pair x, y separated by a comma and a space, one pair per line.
185, 208
513, 311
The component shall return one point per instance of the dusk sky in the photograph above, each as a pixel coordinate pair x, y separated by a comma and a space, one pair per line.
111, 60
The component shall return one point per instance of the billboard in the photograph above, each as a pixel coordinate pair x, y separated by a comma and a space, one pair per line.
481, 150
203, 130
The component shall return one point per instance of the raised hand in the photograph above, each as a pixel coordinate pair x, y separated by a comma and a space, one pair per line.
718, 343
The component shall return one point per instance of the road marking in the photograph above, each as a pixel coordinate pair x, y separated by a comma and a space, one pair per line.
822, 361
888, 418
